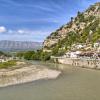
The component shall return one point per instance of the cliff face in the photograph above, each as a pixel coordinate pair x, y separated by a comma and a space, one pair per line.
80, 29
19, 45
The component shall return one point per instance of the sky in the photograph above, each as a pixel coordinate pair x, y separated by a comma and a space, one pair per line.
34, 20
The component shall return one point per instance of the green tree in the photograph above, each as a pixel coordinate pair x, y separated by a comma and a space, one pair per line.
45, 56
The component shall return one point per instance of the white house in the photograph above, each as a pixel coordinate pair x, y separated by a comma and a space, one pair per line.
73, 54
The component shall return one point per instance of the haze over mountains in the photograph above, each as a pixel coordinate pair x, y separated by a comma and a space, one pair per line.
6, 45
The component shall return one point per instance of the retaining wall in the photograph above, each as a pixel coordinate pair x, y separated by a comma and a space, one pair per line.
81, 62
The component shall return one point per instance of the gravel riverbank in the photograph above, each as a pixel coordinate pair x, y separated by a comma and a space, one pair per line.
23, 73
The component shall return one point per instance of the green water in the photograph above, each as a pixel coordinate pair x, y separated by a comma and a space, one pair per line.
73, 84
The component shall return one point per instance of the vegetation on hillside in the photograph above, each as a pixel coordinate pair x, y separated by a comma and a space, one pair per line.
84, 28
73, 38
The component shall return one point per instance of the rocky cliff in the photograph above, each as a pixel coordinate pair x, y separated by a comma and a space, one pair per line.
81, 29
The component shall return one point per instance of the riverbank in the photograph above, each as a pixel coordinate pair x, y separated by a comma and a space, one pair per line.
80, 62
23, 72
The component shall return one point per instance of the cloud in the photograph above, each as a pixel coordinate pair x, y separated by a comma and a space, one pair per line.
17, 32
27, 32
2, 29
20, 32
37, 5
5, 31
37, 33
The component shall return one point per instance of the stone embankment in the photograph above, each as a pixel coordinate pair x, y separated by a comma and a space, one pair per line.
81, 62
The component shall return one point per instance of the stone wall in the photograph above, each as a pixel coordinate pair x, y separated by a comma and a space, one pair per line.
86, 63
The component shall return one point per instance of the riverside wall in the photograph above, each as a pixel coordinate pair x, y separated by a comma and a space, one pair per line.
80, 62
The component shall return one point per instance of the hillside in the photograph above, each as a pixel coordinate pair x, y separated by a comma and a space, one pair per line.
19, 45
85, 28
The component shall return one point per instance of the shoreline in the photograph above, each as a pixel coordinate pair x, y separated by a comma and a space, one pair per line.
80, 62
26, 73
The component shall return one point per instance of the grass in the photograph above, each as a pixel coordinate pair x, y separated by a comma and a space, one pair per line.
9, 64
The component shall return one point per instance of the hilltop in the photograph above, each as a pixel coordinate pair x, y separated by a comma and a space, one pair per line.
84, 28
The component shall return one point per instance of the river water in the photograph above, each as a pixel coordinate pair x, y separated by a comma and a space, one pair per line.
73, 84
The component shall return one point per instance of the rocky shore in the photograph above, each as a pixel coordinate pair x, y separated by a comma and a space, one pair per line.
81, 62
23, 73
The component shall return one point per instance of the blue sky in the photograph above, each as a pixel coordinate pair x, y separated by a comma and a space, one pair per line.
34, 20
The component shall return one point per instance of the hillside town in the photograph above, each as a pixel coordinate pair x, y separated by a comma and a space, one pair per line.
84, 50
81, 55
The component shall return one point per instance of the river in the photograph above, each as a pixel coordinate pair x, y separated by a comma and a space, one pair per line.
73, 84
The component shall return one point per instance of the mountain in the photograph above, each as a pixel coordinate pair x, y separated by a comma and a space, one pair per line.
19, 45
84, 28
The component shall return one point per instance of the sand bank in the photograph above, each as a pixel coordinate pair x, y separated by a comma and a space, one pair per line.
25, 74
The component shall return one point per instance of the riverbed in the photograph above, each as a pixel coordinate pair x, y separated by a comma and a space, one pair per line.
26, 72
73, 84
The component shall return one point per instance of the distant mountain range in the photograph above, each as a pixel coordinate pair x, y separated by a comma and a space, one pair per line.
6, 45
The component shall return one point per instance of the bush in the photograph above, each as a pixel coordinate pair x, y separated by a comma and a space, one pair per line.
8, 64
81, 17
35, 55
45, 56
